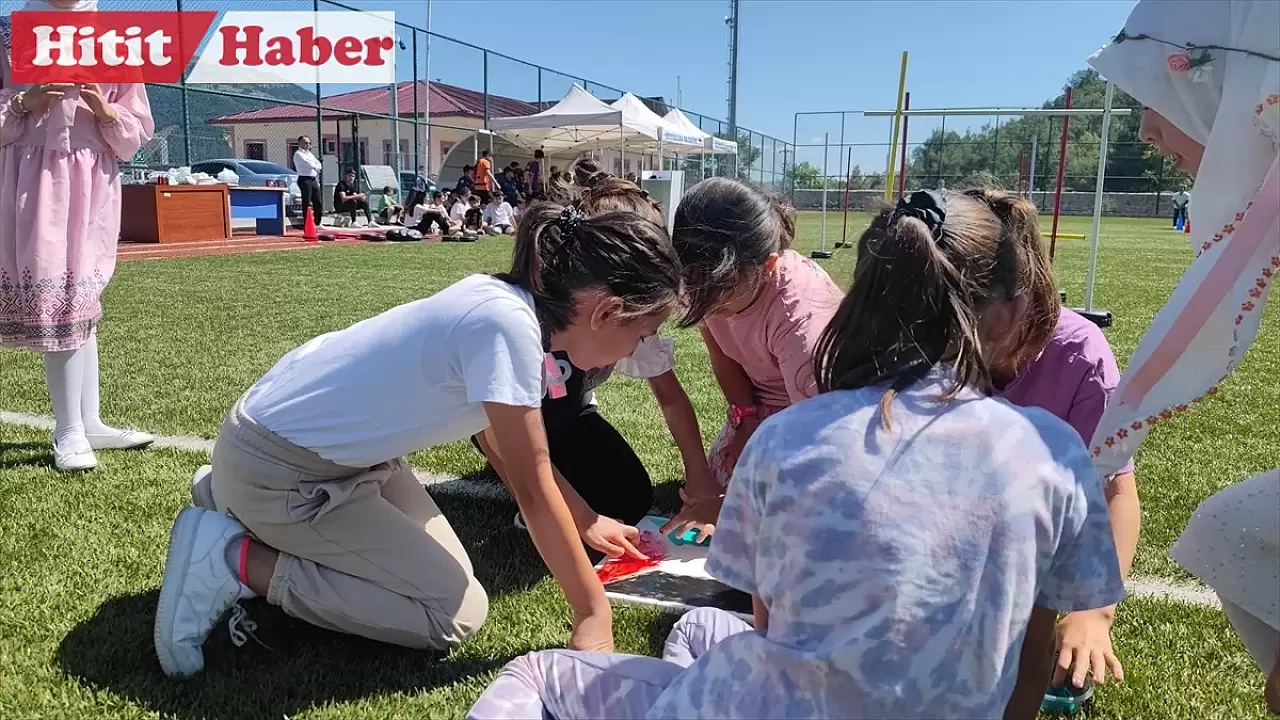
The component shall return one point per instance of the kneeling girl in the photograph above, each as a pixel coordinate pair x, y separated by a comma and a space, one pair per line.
310, 503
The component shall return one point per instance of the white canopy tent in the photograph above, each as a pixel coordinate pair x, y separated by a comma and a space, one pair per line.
660, 131
578, 123
710, 143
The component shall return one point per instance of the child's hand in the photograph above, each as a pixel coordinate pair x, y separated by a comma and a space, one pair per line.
1083, 640
92, 94
593, 632
38, 99
612, 538
700, 514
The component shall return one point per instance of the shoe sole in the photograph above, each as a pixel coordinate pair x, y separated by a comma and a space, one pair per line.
135, 446
181, 541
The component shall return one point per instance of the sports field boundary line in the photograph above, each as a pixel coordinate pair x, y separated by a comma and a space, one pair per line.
1186, 593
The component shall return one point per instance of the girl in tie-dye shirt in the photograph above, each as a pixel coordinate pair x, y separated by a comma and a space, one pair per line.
904, 535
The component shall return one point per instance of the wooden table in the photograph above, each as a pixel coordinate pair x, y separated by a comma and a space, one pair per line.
174, 213
264, 204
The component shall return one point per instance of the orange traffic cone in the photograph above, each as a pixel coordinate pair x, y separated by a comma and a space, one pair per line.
309, 228
1186, 227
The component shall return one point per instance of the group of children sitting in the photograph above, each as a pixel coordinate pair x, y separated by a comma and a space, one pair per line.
900, 484
450, 214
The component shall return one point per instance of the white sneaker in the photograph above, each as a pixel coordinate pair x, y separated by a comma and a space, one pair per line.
199, 587
202, 488
75, 456
373, 224
119, 440
519, 523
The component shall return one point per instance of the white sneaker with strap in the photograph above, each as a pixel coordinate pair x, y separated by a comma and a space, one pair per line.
199, 587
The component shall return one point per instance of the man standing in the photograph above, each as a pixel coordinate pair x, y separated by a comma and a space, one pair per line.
486, 182
1180, 201
308, 169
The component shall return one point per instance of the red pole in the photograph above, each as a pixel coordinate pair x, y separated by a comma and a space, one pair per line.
902, 174
848, 180
1062, 168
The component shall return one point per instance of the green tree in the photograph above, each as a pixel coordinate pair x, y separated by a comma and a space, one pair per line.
804, 176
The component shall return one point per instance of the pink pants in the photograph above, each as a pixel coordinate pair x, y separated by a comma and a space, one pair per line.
567, 685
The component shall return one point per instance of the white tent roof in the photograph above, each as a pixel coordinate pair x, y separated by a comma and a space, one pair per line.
578, 122
709, 142
638, 115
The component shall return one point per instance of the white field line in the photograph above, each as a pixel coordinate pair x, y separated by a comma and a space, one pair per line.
1187, 593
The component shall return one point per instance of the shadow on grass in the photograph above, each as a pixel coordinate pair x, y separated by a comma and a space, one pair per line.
25, 455
305, 666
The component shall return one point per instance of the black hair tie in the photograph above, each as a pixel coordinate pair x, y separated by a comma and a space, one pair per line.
570, 218
927, 206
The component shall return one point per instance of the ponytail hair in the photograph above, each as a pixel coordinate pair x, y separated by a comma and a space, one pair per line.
560, 250
922, 280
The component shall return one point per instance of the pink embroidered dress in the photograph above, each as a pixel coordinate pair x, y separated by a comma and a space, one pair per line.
60, 211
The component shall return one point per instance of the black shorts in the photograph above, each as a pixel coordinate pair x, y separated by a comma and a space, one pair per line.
485, 197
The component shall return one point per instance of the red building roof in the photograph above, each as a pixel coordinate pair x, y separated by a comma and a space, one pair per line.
446, 101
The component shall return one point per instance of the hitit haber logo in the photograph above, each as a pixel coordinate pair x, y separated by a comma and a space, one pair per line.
243, 47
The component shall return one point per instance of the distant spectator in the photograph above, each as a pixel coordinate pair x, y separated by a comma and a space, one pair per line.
1180, 202
437, 215
473, 221
348, 199
535, 173
496, 219
458, 210
517, 209
507, 184
468, 180
420, 182
388, 210
308, 169
631, 177
486, 182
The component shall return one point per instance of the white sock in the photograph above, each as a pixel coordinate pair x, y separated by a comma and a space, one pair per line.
64, 376
89, 401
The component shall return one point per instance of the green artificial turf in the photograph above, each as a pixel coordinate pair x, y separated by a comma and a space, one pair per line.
80, 556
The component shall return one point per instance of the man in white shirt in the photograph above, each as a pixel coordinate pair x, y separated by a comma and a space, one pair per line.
1181, 200
497, 219
308, 169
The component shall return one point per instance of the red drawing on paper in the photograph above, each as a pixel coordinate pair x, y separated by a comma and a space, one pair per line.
625, 567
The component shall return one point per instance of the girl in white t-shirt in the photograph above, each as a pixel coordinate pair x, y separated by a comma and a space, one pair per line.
906, 539
309, 502
595, 460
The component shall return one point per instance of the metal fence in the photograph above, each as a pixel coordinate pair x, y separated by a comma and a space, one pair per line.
1021, 153
410, 129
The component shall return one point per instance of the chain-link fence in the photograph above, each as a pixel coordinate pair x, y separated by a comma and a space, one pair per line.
963, 147
447, 92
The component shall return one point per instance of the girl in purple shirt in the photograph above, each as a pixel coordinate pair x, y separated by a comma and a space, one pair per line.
1062, 363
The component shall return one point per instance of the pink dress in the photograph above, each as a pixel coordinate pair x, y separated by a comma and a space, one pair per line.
60, 212
773, 340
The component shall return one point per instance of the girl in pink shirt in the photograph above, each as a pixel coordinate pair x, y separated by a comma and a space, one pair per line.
760, 306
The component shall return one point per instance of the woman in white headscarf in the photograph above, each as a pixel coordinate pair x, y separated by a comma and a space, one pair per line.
1208, 73
59, 225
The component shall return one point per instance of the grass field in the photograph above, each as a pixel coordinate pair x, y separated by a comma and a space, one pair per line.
80, 556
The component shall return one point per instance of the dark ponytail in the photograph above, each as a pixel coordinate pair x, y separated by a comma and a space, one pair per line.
559, 251
918, 292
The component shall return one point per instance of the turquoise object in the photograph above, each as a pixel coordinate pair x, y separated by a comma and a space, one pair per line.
1066, 699
688, 537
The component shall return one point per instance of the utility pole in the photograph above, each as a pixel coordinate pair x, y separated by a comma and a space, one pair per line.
732, 22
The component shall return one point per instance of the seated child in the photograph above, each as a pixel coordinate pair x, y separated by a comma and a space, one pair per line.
458, 211
760, 306
473, 219
309, 502
496, 219
594, 459
435, 215
388, 210
907, 540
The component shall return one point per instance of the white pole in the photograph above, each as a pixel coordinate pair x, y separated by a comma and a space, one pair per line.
825, 138
1031, 175
660, 149
1097, 197
395, 129
426, 165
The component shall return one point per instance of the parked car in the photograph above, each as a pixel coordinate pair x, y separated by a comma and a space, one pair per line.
408, 178
259, 173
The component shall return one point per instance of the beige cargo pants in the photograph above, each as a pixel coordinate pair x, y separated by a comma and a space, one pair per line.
362, 551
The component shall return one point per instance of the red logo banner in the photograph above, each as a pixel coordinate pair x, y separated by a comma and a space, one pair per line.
105, 47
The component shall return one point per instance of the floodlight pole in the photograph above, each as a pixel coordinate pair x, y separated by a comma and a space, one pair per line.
732, 21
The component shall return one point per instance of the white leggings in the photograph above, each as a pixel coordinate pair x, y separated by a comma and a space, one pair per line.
72, 379
567, 685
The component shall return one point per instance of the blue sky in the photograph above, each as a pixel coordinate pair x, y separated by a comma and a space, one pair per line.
796, 55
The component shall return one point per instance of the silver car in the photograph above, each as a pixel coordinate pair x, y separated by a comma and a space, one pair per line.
258, 173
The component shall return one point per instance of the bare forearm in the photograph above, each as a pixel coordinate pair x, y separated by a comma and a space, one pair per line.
1125, 511
1035, 666
578, 508
682, 420
732, 379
